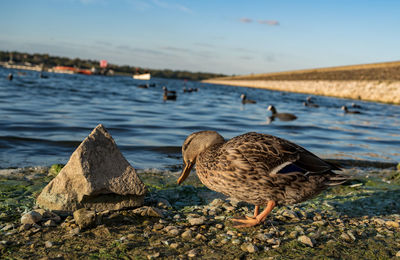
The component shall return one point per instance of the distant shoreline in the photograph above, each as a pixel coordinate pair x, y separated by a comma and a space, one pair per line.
366, 90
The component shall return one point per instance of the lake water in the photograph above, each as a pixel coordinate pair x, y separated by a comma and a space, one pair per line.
43, 120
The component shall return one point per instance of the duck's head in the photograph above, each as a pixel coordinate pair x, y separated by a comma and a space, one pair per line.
344, 108
272, 109
243, 96
193, 146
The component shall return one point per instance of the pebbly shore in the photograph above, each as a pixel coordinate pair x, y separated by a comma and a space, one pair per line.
359, 220
384, 91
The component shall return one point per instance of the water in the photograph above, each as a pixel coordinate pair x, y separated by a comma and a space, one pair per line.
42, 121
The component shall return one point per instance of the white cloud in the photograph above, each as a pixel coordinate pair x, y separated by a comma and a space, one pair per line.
269, 22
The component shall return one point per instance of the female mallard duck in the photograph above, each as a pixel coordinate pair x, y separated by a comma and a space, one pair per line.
169, 94
257, 168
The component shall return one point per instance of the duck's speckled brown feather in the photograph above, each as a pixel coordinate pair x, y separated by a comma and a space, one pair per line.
246, 167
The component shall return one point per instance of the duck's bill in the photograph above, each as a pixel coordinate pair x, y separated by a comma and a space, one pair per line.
185, 172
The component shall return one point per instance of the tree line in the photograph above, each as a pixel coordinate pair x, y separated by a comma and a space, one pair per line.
49, 61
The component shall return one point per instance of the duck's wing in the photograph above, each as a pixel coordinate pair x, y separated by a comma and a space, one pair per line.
267, 154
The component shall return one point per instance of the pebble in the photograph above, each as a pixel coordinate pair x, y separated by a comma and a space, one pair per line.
50, 223
393, 224
200, 237
174, 245
24, 227
188, 234
196, 221
236, 241
192, 253
48, 244
346, 237
152, 256
249, 247
158, 226
398, 254
306, 240
31, 217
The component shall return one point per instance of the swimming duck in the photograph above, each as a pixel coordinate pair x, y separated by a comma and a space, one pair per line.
169, 94
347, 111
247, 101
281, 116
10, 76
354, 105
259, 169
310, 103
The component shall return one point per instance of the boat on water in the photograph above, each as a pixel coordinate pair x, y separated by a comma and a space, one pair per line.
144, 76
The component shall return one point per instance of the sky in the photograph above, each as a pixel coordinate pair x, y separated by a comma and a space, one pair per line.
230, 37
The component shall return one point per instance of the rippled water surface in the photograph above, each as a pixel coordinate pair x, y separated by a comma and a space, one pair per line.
43, 120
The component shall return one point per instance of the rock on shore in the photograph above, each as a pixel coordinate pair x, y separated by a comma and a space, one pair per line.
97, 176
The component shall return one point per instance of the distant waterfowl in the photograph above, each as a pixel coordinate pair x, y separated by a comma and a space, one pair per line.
310, 103
307, 104
143, 86
169, 94
280, 116
189, 90
247, 101
260, 169
354, 105
347, 111
10, 76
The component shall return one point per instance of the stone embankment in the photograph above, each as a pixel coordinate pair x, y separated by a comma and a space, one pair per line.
372, 90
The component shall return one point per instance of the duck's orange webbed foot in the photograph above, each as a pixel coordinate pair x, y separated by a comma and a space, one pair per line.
257, 219
248, 222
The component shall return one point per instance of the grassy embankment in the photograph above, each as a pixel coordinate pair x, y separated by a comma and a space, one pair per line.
378, 82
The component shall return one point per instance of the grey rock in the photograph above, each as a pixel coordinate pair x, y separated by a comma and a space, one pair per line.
50, 223
48, 244
192, 253
31, 217
97, 176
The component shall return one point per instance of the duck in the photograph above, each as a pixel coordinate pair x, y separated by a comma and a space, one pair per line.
247, 101
354, 105
347, 111
169, 94
310, 103
143, 86
260, 169
10, 76
281, 116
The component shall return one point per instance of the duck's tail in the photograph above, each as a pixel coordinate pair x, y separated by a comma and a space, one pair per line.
337, 179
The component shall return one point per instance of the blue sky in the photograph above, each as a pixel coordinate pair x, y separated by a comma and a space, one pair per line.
231, 37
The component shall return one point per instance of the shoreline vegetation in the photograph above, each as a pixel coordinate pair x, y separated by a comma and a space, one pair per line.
47, 61
378, 82
358, 220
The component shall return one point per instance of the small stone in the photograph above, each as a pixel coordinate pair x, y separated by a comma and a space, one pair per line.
379, 221
174, 245
146, 211
24, 227
31, 217
75, 231
273, 241
398, 254
346, 237
153, 256
200, 237
351, 235
306, 240
236, 241
192, 253
187, 234
392, 224
177, 216
48, 244
262, 236
293, 234
216, 203
50, 223
319, 223
219, 226
85, 218
196, 221
248, 247
7, 227
158, 226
